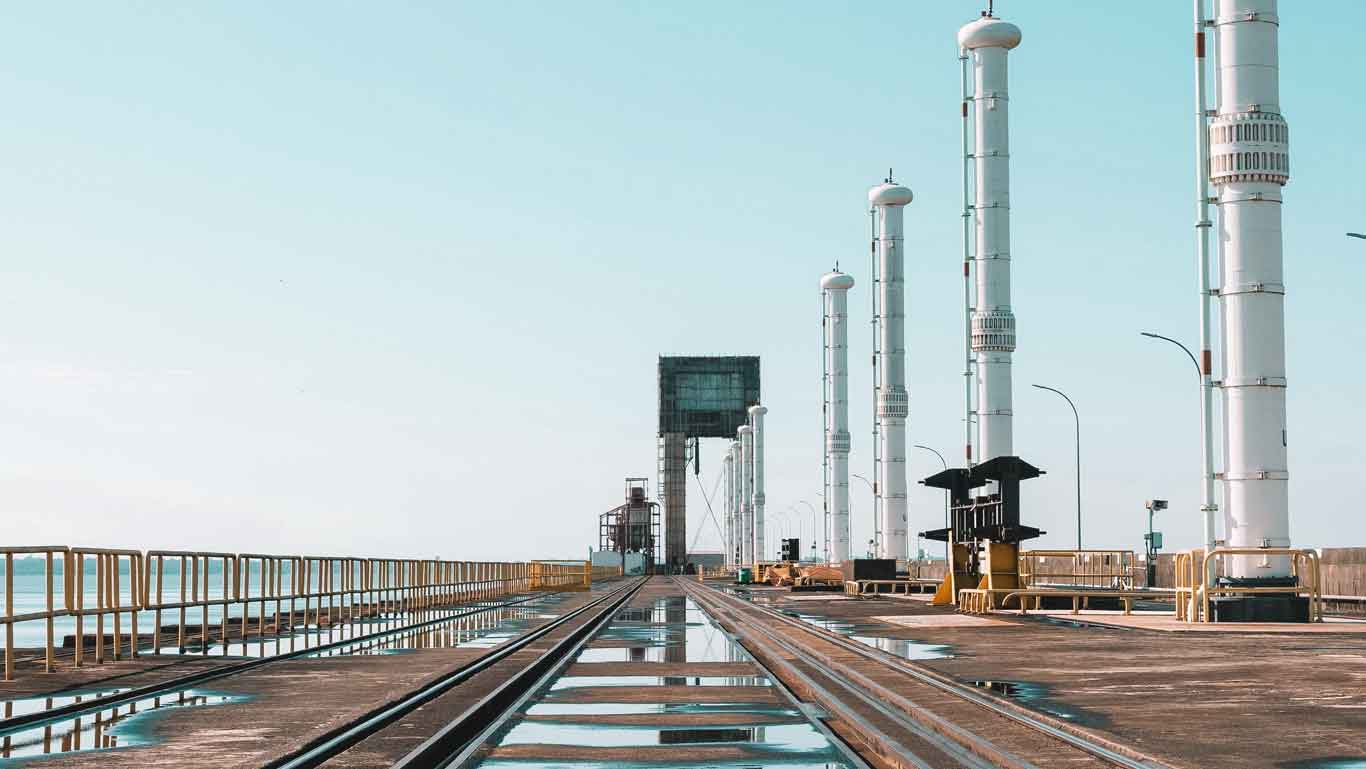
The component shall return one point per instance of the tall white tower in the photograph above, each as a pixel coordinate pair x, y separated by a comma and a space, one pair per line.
756, 421
746, 436
728, 473
1249, 163
836, 287
889, 201
737, 547
993, 324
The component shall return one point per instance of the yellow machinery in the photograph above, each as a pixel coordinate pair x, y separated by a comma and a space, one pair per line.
984, 532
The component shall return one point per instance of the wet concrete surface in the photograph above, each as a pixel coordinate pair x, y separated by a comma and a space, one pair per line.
274, 709
1217, 699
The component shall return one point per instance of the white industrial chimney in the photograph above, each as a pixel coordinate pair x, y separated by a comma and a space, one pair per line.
836, 287
889, 201
756, 421
746, 435
1249, 163
993, 324
728, 474
737, 516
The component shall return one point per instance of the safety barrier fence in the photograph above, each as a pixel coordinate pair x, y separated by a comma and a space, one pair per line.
1114, 569
1197, 583
208, 596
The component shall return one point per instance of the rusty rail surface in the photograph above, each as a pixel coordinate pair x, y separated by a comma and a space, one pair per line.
249, 593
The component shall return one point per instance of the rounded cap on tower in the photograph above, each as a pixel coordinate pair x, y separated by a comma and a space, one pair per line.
758, 410
988, 32
837, 281
744, 430
889, 194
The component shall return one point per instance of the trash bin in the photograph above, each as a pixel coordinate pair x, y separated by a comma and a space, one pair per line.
746, 576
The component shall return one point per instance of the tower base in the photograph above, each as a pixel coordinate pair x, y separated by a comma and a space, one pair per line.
1273, 607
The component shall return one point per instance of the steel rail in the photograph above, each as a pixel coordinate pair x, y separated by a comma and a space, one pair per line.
436, 750
944, 736
18, 723
1111, 753
470, 755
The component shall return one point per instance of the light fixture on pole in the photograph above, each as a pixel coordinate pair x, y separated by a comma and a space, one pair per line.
1077, 422
873, 490
1207, 504
948, 524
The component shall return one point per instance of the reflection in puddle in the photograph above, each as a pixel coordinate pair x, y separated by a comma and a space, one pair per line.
691, 722
794, 737
114, 727
261, 641
477, 631
1036, 696
868, 634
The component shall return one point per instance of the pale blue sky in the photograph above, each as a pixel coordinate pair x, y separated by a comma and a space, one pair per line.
359, 278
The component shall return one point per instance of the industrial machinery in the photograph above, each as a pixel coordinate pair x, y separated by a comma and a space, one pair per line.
631, 528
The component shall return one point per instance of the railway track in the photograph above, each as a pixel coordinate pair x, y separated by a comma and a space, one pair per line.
903, 715
467, 731
15, 724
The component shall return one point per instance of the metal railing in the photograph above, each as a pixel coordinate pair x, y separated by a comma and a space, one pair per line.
1089, 568
1196, 584
229, 597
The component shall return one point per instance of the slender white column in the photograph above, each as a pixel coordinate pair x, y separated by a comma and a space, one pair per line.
737, 515
728, 501
836, 286
889, 201
756, 421
746, 434
1249, 163
993, 324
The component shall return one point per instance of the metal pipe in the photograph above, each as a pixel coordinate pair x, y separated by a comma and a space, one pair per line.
835, 287
967, 263
1202, 227
1249, 163
889, 201
988, 40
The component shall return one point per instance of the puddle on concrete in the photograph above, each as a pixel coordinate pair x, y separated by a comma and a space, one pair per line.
570, 682
302, 636
787, 737
631, 708
1036, 696
23, 706
673, 630
870, 634
120, 726
478, 631
1344, 762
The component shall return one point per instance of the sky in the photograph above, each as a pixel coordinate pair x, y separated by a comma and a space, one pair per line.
359, 279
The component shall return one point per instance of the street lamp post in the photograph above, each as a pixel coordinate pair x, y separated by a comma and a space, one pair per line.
1356, 235
1077, 421
947, 523
1207, 505
812, 508
872, 490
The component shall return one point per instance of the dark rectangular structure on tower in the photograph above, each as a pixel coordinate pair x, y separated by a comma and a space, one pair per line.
699, 397
706, 397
